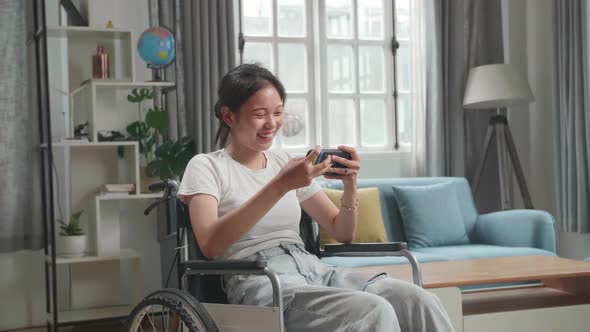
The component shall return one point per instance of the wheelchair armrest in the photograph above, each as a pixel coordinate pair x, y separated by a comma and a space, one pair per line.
236, 266
376, 249
230, 265
365, 247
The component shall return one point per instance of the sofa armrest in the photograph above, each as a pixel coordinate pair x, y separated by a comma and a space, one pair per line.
517, 228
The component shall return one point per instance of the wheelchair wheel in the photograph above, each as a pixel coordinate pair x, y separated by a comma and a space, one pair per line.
170, 310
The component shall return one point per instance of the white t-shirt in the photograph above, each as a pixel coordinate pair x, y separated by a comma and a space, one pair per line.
232, 184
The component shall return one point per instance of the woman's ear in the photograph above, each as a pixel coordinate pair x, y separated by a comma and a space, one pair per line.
227, 116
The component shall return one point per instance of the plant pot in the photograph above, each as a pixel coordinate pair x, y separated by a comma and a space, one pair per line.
145, 180
72, 245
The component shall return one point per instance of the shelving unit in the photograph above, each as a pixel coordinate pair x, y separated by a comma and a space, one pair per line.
122, 259
107, 98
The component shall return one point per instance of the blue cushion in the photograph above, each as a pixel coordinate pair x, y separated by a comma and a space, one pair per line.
431, 215
380, 260
473, 251
587, 259
390, 210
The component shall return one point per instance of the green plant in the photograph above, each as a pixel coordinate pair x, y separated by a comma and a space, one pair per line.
150, 130
171, 158
73, 226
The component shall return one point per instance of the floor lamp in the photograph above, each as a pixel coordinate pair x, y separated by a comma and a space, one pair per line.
498, 86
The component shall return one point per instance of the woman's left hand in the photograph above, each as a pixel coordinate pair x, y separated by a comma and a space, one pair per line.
348, 174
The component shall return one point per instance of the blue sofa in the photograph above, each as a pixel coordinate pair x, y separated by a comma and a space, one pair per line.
498, 234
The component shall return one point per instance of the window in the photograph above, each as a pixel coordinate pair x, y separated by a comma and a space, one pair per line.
334, 58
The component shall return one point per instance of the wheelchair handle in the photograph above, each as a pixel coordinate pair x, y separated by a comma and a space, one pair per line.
170, 185
170, 188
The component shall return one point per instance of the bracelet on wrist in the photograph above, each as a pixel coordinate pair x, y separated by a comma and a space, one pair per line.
349, 208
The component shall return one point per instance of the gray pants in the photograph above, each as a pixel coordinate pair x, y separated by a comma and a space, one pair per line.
320, 297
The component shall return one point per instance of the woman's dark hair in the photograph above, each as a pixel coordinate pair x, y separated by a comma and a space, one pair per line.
236, 87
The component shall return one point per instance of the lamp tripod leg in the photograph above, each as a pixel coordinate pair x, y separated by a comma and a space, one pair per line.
502, 171
483, 155
524, 191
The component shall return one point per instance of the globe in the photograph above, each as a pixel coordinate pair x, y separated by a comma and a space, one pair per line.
156, 47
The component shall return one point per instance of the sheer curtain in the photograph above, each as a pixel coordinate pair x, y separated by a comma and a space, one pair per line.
427, 122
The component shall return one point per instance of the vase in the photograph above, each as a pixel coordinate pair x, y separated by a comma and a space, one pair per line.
145, 180
72, 245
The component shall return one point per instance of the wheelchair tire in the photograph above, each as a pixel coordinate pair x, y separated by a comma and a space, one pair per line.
154, 311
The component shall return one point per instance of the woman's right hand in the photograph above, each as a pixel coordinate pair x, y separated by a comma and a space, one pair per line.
298, 172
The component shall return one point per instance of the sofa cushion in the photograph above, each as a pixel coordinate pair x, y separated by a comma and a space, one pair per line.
473, 251
431, 215
390, 210
342, 261
370, 226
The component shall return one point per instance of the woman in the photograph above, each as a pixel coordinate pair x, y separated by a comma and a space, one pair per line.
245, 202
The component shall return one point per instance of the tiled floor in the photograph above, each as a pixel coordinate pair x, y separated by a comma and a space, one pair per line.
114, 326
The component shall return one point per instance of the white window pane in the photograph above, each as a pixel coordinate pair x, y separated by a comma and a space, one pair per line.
295, 131
340, 68
341, 122
373, 122
257, 17
370, 17
404, 68
339, 18
259, 53
404, 117
293, 67
291, 18
371, 69
402, 19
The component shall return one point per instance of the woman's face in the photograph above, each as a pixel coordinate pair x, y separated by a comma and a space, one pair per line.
259, 120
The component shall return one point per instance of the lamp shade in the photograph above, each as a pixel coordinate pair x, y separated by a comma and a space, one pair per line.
494, 86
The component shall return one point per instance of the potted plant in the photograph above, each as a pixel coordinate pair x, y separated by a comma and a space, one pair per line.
72, 237
171, 158
147, 131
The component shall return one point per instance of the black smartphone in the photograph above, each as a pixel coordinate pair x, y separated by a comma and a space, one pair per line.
324, 153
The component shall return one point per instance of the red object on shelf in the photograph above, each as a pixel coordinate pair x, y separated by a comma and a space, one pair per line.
100, 63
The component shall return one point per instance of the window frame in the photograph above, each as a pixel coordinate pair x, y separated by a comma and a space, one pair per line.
317, 94
325, 95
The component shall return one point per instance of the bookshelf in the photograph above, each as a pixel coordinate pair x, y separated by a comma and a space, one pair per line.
121, 263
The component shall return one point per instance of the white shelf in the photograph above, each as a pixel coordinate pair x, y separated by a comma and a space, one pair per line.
76, 31
103, 104
120, 255
122, 196
94, 314
129, 84
85, 144
121, 244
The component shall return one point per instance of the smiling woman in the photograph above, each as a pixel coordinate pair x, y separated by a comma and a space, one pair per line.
245, 202
235, 92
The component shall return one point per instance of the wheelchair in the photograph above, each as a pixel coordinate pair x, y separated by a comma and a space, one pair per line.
200, 303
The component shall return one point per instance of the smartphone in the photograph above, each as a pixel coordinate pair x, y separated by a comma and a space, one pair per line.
324, 153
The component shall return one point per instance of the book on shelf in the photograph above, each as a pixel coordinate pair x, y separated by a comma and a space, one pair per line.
123, 188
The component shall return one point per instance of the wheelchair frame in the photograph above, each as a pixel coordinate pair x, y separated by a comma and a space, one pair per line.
230, 317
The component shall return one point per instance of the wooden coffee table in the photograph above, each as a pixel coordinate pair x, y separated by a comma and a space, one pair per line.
558, 301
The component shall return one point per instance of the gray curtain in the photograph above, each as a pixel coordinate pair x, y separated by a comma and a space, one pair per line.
461, 34
572, 116
208, 49
20, 207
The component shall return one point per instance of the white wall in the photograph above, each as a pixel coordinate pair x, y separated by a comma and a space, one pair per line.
22, 289
529, 39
